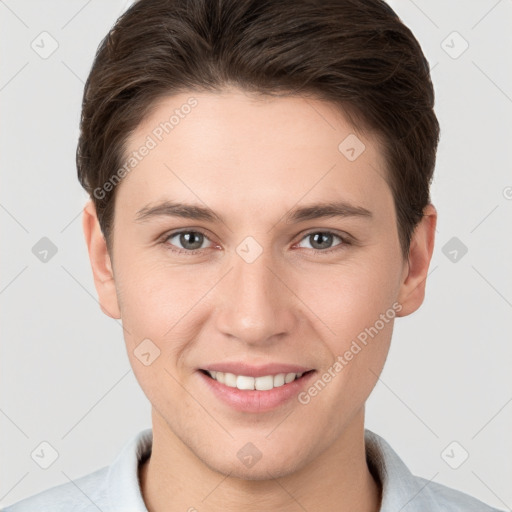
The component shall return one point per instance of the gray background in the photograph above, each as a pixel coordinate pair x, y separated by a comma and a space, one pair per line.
65, 375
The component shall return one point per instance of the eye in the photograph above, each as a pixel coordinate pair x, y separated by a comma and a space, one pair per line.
190, 241
321, 241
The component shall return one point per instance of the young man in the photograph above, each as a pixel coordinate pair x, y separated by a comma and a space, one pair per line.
259, 176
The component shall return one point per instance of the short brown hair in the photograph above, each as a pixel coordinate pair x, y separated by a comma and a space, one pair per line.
356, 54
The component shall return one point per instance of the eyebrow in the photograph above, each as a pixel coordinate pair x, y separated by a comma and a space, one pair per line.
304, 213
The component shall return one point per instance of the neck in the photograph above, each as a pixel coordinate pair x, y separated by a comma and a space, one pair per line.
174, 479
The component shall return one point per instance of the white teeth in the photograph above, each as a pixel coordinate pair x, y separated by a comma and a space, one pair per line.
264, 383
278, 380
289, 377
230, 380
244, 382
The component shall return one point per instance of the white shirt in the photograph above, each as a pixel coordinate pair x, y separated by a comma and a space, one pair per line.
116, 488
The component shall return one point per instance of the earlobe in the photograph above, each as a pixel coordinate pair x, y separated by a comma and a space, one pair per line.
412, 291
101, 264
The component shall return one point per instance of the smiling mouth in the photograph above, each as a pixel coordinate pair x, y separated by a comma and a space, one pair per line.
263, 383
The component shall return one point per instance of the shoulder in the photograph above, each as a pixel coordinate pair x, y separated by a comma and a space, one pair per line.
402, 490
85, 494
451, 500
111, 486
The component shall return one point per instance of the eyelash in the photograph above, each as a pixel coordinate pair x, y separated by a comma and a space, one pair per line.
345, 241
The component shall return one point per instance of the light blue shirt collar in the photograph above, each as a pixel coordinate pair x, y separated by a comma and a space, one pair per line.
401, 490
116, 488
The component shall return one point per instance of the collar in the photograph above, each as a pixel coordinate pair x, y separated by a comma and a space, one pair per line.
124, 493
401, 490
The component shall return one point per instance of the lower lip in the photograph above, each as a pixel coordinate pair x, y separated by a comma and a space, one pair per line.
255, 400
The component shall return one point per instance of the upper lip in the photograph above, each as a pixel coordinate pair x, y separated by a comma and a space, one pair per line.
241, 368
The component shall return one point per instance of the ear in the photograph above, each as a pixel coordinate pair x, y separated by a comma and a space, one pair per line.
100, 262
412, 290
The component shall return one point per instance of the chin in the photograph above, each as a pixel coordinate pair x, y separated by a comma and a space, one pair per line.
256, 471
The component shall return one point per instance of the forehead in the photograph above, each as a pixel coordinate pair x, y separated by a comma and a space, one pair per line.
260, 148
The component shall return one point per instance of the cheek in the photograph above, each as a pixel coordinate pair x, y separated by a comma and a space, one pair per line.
357, 312
154, 303
350, 297
152, 296
162, 314
357, 307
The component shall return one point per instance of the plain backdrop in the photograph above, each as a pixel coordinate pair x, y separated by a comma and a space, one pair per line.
65, 375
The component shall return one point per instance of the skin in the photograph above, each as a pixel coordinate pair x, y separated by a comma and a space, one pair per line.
253, 159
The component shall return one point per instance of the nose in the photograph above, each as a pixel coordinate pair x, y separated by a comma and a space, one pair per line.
256, 307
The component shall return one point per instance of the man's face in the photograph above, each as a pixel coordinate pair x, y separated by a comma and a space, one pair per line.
260, 287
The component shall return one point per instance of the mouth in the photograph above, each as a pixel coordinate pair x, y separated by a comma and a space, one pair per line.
260, 383
264, 391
